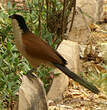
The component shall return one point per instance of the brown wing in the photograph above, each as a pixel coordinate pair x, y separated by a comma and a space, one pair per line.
38, 48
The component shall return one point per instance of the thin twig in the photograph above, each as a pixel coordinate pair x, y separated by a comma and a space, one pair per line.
39, 18
102, 31
85, 21
74, 5
63, 18
47, 12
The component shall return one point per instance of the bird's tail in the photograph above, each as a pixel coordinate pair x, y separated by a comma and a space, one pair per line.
77, 78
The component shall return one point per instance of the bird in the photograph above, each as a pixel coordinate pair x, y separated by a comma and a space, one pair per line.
37, 51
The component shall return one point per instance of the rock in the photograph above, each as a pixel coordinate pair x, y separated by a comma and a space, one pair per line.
91, 12
70, 51
31, 94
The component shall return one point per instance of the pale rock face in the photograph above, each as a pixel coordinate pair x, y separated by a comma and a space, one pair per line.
88, 7
70, 51
99, 9
92, 12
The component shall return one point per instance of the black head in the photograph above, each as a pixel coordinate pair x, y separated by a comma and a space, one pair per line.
20, 21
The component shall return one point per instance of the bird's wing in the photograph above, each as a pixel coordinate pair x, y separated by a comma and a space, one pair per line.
38, 48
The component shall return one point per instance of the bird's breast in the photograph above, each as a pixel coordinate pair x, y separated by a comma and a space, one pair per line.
18, 35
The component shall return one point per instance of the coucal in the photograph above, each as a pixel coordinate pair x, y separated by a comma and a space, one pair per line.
37, 51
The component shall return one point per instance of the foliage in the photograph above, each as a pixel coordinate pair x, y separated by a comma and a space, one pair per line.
46, 74
12, 64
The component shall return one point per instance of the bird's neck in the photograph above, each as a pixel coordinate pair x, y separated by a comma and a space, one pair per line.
17, 34
23, 26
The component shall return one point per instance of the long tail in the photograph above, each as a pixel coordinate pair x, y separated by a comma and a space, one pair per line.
77, 78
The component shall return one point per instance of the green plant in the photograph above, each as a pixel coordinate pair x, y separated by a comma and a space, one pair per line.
12, 64
46, 74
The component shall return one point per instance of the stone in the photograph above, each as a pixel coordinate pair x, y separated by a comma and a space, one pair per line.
70, 51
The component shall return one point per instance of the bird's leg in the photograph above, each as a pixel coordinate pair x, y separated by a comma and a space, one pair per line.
30, 75
30, 71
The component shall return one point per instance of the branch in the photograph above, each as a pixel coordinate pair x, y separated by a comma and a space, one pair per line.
39, 18
63, 18
74, 5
